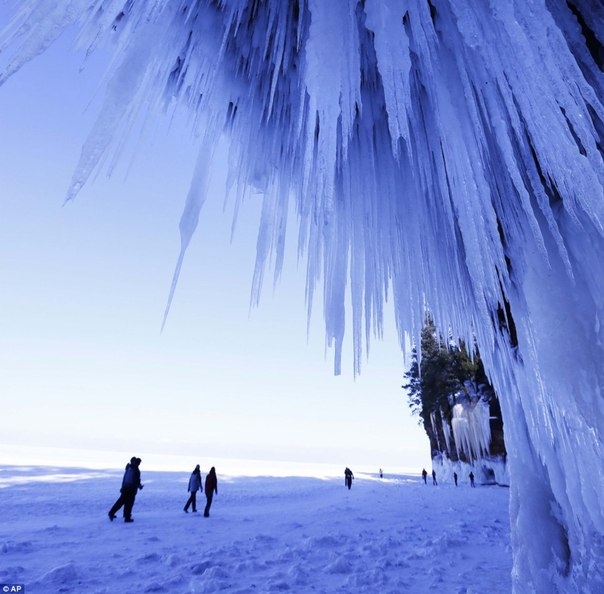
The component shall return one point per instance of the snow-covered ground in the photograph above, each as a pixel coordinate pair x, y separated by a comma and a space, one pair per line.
265, 534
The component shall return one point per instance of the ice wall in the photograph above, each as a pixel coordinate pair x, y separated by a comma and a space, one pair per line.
441, 153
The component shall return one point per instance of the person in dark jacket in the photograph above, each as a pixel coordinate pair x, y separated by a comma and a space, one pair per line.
424, 475
194, 486
348, 476
131, 483
211, 487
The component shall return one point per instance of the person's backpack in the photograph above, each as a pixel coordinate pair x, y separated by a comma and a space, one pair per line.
129, 477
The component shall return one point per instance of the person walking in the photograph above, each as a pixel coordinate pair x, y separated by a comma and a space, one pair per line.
472, 479
131, 483
211, 487
455, 478
425, 476
348, 476
434, 481
194, 486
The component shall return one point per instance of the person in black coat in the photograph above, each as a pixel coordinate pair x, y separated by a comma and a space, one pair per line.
348, 476
131, 483
211, 487
194, 486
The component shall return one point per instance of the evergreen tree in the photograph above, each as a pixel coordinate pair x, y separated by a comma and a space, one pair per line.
441, 371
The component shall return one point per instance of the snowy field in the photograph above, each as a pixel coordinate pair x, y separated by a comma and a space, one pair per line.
265, 534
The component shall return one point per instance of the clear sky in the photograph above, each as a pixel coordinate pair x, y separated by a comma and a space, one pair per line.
83, 363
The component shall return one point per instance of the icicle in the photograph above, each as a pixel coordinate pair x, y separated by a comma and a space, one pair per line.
190, 216
446, 431
36, 27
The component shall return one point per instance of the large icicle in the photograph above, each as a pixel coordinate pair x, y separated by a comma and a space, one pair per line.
448, 152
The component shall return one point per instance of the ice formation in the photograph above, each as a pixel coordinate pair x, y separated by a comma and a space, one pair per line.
462, 440
447, 153
471, 428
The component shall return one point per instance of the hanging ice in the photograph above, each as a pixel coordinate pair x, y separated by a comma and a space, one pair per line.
471, 428
449, 152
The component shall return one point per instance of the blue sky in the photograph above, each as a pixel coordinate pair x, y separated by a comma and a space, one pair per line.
83, 363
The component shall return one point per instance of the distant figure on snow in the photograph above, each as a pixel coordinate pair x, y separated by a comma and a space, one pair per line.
424, 476
348, 476
194, 486
211, 487
381, 473
131, 483
472, 479
434, 481
455, 478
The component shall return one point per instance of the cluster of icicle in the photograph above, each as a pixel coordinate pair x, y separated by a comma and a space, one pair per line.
443, 154
469, 432
471, 428
468, 429
469, 425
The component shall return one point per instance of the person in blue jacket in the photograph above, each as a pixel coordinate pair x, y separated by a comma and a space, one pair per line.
194, 486
131, 483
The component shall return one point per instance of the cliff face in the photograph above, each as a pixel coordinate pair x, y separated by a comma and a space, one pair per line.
497, 447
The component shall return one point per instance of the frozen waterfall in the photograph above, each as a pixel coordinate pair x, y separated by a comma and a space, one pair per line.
443, 154
471, 428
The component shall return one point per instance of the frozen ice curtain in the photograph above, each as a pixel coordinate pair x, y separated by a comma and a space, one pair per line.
443, 154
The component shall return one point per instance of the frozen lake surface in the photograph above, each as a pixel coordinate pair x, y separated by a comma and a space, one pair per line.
265, 534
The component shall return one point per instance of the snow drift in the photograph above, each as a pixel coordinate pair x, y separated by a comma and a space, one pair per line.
449, 154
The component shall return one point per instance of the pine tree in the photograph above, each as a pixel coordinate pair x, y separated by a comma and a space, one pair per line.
441, 371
